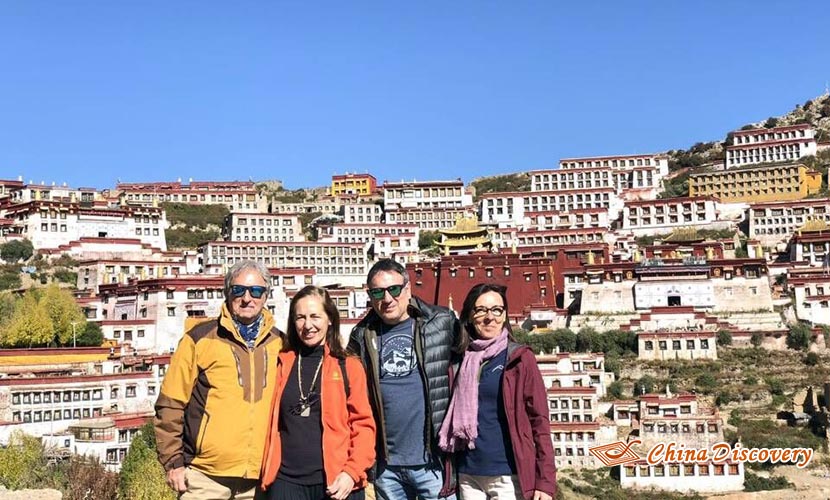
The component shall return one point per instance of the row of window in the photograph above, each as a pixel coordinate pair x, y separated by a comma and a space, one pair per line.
357, 268
55, 415
243, 221
424, 216
215, 198
265, 230
49, 397
688, 470
676, 344
768, 136
620, 162
286, 250
676, 428
54, 397
422, 193
777, 212
567, 417
576, 404
560, 239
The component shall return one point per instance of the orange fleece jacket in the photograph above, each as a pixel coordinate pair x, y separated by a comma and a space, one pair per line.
348, 426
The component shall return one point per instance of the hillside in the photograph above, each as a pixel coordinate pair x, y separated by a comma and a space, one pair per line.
703, 155
501, 184
191, 225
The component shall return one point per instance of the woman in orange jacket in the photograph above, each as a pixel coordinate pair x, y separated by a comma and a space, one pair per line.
322, 434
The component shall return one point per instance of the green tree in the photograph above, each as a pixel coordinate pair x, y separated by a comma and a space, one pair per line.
64, 312
22, 463
428, 239
615, 389
564, 339
142, 477
724, 338
644, 385
756, 339
30, 325
811, 359
91, 335
16, 250
798, 338
588, 340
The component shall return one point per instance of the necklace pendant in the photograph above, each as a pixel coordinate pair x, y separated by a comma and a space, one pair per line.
306, 411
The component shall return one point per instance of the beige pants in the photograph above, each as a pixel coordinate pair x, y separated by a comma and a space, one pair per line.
472, 487
200, 486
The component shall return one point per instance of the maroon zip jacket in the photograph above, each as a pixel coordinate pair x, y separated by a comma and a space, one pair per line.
528, 420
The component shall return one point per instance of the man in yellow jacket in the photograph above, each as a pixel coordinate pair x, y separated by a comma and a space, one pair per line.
212, 413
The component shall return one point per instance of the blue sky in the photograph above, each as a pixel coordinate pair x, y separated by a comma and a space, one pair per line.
95, 91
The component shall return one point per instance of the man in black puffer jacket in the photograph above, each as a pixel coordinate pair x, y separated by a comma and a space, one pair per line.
406, 347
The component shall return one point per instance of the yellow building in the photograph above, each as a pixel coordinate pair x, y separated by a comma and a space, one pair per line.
757, 184
353, 184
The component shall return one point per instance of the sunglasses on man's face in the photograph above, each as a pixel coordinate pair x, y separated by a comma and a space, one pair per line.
256, 291
379, 293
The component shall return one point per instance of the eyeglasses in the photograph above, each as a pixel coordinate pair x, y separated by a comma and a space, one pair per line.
379, 293
256, 291
496, 311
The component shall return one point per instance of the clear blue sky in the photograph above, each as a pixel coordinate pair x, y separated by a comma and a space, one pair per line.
94, 91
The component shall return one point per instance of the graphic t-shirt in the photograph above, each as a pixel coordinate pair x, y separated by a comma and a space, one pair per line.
402, 394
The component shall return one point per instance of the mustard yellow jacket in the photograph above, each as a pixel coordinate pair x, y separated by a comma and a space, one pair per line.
212, 412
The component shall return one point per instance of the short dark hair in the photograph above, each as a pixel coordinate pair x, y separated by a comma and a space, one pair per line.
292, 337
389, 266
468, 332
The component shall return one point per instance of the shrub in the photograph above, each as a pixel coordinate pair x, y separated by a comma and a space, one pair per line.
753, 482
798, 338
22, 463
811, 359
615, 390
66, 276
725, 397
142, 477
10, 281
756, 340
776, 387
89, 479
724, 338
706, 383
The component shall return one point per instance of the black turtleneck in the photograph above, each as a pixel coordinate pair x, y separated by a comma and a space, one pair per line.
302, 437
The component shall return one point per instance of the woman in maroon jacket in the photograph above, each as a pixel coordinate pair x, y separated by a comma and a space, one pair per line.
498, 423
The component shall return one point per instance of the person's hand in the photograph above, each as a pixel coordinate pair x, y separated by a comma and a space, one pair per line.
541, 495
176, 480
341, 487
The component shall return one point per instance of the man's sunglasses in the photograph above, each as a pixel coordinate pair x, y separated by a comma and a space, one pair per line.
256, 291
379, 293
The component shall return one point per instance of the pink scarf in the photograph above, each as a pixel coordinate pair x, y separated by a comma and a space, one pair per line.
460, 427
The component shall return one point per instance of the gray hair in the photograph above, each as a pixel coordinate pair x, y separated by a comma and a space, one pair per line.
246, 265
